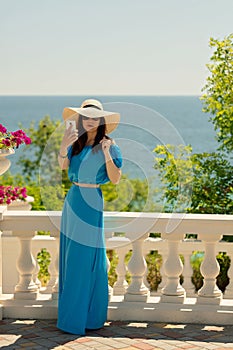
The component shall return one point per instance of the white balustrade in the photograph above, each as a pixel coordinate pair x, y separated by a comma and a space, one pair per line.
162, 271
35, 274
24, 224
110, 289
229, 289
137, 291
26, 287
187, 252
173, 268
121, 285
55, 259
209, 292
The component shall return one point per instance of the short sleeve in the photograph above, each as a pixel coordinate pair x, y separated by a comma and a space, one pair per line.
69, 152
116, 155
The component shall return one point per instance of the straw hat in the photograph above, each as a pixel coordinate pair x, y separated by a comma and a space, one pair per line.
93, 109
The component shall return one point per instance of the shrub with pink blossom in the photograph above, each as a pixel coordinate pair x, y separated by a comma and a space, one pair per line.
12, 139
8, 194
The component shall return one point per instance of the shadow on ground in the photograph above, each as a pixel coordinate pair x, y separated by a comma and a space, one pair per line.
43, 334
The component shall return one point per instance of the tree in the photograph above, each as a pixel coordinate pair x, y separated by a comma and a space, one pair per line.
42, 155
218, 91
195, 183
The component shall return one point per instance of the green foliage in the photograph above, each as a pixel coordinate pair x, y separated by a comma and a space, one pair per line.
8, 179
212, 185
44, 259
42, 154
222, 279
176, 175
129, 195
195, 183
154, 263
218, 91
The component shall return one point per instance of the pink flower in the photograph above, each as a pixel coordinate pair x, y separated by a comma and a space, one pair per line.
2, 129
10, 193
24, 192
6, 142
12, 139
27, 140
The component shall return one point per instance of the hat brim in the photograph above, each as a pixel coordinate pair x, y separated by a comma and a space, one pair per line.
112, 119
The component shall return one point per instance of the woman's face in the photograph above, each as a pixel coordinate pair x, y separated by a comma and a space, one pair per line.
90, 124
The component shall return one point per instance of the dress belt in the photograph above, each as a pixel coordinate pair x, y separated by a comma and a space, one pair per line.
80, 184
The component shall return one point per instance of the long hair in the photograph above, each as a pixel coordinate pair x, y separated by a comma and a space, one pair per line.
82, 139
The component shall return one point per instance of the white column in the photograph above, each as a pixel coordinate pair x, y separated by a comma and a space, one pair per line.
26, 288
53, 285
162, 272
228, 294
110, 289
210, 293
120, 286
35, 274
137, 291
187, 274
173, 267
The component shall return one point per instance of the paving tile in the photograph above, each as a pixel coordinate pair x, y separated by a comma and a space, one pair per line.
143, 346
122, 335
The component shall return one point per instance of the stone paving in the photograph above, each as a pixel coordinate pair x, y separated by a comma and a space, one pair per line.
43, 334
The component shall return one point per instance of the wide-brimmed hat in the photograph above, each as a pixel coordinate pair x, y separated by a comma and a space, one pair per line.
93, 109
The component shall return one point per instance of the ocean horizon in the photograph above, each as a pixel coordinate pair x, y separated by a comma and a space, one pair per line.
146, 121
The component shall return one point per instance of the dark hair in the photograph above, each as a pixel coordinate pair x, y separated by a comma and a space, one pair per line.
82, 139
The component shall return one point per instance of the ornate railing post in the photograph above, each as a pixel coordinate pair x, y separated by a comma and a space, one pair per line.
137, 291
229, 289
173, 267
54, 265
110, 289
188, 270
120, 286
26, 287
209, 292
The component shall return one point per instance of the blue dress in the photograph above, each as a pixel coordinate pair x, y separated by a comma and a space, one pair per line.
83, 278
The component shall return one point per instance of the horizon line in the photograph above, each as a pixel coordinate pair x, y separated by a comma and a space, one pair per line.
81, 95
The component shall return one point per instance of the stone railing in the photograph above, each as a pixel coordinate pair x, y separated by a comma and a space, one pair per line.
23, 296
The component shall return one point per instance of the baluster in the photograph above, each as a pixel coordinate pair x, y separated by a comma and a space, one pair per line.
137, 291
54, 265
162, 272
110, 289
229, 289
209, 293
187, 274
26, 288
173, 267
120, 286
146, 251
35, 274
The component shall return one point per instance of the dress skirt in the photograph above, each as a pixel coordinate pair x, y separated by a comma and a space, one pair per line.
83, 279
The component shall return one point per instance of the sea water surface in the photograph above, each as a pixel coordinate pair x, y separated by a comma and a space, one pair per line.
146, 121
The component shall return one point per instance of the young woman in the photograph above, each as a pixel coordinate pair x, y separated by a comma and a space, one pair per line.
92, 158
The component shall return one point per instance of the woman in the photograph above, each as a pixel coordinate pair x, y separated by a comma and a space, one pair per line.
92, 158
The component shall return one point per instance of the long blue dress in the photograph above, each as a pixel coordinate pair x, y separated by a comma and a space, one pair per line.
83, 279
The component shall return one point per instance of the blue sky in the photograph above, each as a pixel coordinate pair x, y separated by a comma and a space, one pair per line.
156, 47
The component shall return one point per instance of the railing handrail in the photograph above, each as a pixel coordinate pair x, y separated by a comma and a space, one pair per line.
164, 223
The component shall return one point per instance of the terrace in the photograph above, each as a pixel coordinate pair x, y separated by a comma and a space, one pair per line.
23, 297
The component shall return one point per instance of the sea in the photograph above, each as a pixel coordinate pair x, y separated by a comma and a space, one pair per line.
146, 122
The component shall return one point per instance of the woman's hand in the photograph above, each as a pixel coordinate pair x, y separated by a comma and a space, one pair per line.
70, 136
106, 143
114, 173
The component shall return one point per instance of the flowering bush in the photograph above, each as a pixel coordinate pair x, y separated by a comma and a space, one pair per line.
12, 139
9, 194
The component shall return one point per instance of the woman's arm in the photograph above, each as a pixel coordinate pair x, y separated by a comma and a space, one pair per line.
69, 138
114, 173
